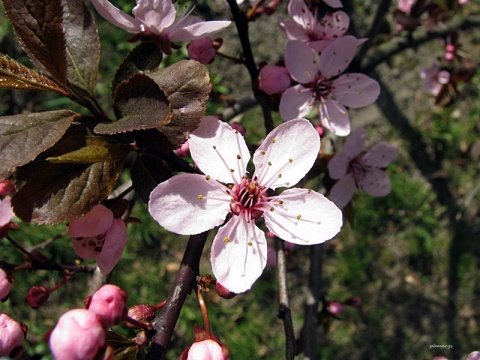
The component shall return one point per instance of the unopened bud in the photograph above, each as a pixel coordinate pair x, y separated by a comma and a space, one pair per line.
143, 313
110, 304
6, 188
5, 284
223, 291
12, 336
335, 307
202, 50
37, 296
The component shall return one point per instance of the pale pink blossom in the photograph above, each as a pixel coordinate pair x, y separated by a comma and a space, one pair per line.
273, 79
335, 307
6, 212
78, 335
5, 284
474, 355
321, 82
157, 18
98, 235
306, 27
191, 203
202, 50
434, 78
405, 6
354, 169
206, 350
184, 150
12, 335
110, 304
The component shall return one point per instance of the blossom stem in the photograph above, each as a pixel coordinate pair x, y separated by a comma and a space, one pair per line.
203, 308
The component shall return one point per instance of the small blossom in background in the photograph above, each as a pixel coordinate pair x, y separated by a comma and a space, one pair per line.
37, 296
317, 33
110, 304
6, 188
157, 18
354, 169
78, 335
273, 79
192, 203
12, 335
434, 78
202, 50
98, 235
5, 285
319, 82
334, 307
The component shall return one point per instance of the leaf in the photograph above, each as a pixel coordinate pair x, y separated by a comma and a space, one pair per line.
14, 75
83, 46
146, 56
38, 26
148, 171
24, 136
53, 193
140, 104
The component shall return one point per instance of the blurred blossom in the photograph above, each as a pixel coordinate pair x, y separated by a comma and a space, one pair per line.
97, 235
273, 79
474, 355
354, 169
12, 335
36, 296
434, 78
335, 307
78, 335
5, 284
202, 50
110, 304
405, 5
439, 358
354, 301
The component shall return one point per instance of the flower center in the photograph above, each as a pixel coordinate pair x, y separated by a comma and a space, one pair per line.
247, 198
322, 88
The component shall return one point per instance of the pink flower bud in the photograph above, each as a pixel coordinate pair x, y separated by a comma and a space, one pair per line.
335, 307
36, 296
183, 150
273, 79
78, 335
474, 355
110, 304
206, 350
354, 301
143, 313
12, 336
5, 284
6, 188
202, 50
223, 291
320, 130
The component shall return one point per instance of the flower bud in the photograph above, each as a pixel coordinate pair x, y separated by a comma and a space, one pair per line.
206, 349
474, 355
273, 79
202, 50
354, 301
36, 296
143, 313
5, 284
78, 335
335, 307
12, 336
6, 188
110, 304
223, 291
183, 150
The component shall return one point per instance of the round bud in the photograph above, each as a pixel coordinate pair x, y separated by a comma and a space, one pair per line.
143, 313
36, 296
12, 336
110, 304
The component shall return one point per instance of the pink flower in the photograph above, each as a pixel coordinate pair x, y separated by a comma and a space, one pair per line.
12, 335
191, 203
97, 235
6, 215
78, 335
5, 284
318, 33
273, 79
202, 50
353, 169
321, 82
206, 350
434, 79
405, 6
474, 355
157, 18
110, 304
335, 307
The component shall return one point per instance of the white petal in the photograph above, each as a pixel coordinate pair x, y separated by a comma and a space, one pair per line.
189, 204
293, 31
197, 30
155, 15
380, 155
337, 56
219, 151
239, 254
300, 62
117, 17
303, 217
286, 154
334, 117
296, 102
343, 190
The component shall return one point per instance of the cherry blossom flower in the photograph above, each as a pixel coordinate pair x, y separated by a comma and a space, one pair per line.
12, 336
474, 355
320, 82
110, 304
318, 33
97, 235
273, 79
434, 78
192, 203
157, 18
355, 169
78, 335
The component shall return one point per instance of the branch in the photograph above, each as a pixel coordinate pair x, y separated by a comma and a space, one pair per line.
164, 323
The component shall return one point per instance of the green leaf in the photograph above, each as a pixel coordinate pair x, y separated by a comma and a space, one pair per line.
24, 136
53, 193
145, 57
38, 26
140, 104
14, 75
83, 46
148, 171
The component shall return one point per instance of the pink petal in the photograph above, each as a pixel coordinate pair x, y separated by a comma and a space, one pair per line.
155, 15
300, 62
338, 165
342, 191
355, 143
219, 151
86, 247
115, 241
286, 154
94, 223
380, 155
273, 79
355, 90
6, 211
375, 182
239, 254
337, 56
293, 31
198, 30
206, 350
304, 217
334, 117
299, 12
334, 3
189, 204
296, 102
117, 17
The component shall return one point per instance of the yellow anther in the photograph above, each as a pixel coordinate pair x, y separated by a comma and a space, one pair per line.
272, 208
249, 243
299, 217
280, 202
200, 197
291, 160
262, 152
279, 176
274, 141
207, 177
252, 186
269, 163
226, 239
